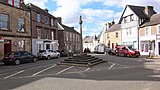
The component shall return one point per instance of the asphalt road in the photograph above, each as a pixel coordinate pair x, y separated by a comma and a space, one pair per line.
120, 73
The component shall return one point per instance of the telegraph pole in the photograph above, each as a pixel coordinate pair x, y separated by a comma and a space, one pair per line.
81, 40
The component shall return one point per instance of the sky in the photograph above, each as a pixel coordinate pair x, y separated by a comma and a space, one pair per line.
95, 13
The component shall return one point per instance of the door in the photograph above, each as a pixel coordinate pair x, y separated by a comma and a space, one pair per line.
7, 47
112, 45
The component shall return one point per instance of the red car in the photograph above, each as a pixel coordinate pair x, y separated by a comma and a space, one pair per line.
127, 51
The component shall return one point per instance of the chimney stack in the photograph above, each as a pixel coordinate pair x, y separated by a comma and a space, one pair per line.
149, 11
59, 19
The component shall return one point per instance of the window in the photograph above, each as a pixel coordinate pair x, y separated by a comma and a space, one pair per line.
17, 3
38, 17
10, 2
52, 33
130, 31
39, 33
21, 25
125, 19
46, 20
52, 22
158, 29
116, 34
131, 17
21, 45
147, 31
107, 36
46, 35
3, 21
70, 36
67, 36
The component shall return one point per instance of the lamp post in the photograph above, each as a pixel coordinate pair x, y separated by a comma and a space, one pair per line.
81, 44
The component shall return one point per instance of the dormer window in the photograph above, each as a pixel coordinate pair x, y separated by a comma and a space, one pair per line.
131, 17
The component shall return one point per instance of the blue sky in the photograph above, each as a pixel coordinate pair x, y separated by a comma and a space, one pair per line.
95, 13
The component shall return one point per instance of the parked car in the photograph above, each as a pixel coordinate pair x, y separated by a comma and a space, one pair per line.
18, 57
128, 51
65, 53
48, 54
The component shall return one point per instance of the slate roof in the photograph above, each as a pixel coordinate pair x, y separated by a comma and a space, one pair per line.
116, 27
155, 19
138, 10
70, 29
88, 39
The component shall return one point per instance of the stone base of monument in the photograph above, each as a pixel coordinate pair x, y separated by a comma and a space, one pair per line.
82, 60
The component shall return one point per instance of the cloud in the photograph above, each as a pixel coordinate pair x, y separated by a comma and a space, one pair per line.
40, 3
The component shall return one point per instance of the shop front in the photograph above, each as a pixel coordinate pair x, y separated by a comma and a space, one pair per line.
41, 44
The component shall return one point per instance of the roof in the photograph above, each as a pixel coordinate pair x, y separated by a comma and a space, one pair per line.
138, 10
116, 27
70, 29
88, 39
155, 19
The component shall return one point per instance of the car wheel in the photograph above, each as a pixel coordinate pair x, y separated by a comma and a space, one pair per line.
117, 54
17, 61
128, 55
58, 56
49, 58
34, 59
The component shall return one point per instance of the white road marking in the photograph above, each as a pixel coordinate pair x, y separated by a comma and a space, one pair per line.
64, 70
87, 69
14, 74
112, 66
118, 64
44, 70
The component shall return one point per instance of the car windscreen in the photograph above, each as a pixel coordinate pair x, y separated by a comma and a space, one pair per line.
131, 48
42, 51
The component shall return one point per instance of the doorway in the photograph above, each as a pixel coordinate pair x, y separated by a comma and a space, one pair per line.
7, 47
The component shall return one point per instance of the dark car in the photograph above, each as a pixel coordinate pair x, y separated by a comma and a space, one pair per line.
65, 53
18, 57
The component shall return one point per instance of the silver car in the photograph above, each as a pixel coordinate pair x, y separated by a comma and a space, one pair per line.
48, 54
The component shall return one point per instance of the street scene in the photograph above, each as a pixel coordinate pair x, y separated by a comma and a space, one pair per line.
79, 45
120, 72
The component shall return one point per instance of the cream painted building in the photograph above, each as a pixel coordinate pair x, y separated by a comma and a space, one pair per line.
114, 36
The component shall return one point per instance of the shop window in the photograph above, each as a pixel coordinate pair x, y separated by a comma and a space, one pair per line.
21, 45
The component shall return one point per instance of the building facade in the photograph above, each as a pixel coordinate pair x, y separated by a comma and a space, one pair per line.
149, 36
68, 38
131, 19
88, 43
44, 29
15, 32
113, 36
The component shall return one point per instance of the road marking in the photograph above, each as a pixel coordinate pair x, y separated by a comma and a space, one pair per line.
64, 70
14, 74
44, 70
112, 66
87, 69
118, 64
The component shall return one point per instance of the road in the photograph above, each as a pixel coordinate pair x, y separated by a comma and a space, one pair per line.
120, 73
